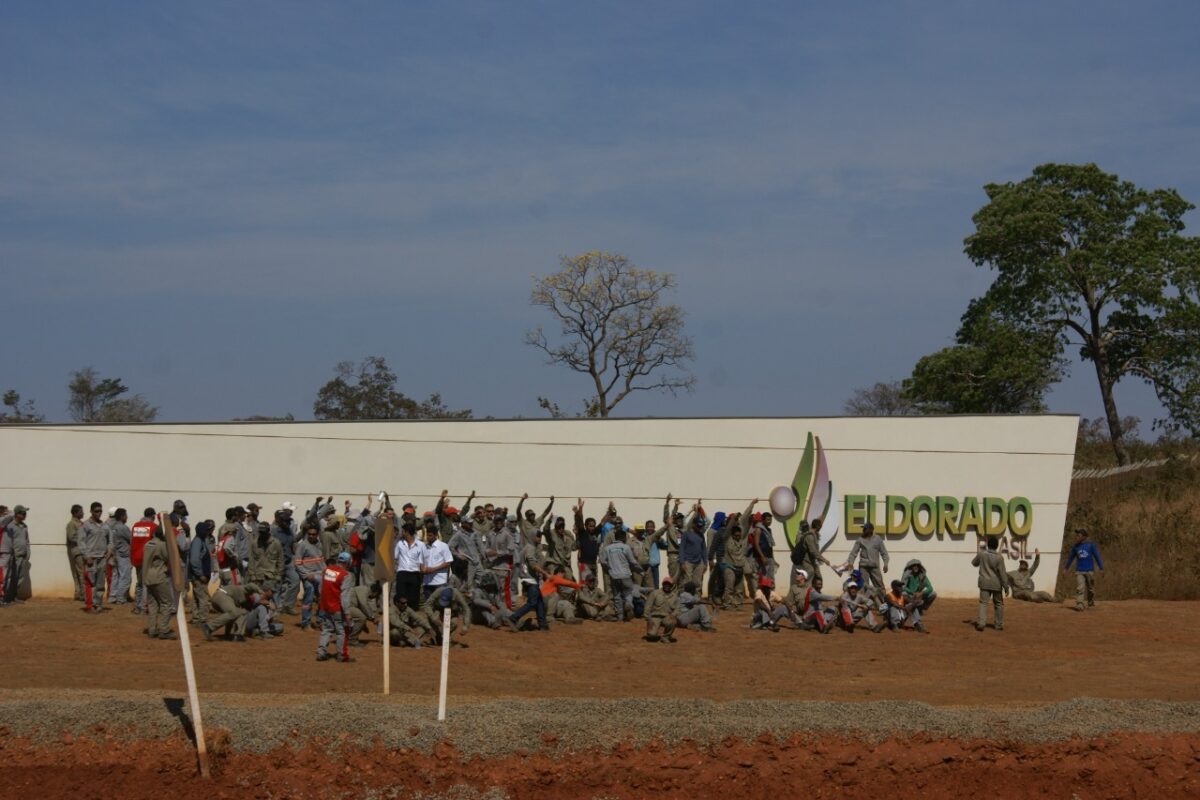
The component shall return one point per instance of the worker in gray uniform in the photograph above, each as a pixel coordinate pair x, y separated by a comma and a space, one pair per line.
231, 604
1022, 581
120, 541
14, 554
93, 550
993, 583
872, 555
156, 576
74, 524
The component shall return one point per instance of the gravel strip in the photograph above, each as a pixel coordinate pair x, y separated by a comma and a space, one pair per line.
499, 727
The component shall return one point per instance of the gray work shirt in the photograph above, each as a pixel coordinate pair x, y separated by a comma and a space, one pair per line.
874, 551
120, 538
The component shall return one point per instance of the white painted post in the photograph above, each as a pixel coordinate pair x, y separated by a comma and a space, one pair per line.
386, 597
445, 664
193, 695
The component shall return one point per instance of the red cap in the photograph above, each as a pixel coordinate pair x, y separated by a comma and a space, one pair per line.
407, 506
450, 511
765, 583
756, 516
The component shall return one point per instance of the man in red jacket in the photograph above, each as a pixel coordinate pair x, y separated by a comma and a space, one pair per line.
334, 607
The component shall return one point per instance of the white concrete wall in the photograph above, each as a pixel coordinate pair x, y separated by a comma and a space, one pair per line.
634, 462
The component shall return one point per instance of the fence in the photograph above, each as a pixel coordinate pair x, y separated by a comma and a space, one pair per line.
1087, 484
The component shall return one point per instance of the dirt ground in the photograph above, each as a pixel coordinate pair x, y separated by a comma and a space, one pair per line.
1103, 704
1046, 653
1119, 766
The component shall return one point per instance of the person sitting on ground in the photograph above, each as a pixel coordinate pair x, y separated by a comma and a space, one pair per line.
460, 612
855, 607
790, 606
693, 610
898, 611
662, 606
766, 604
819, 608
233, 602
918, 591
261, 618
486, 599
408, 628
594, 603
560, 603
1022, 581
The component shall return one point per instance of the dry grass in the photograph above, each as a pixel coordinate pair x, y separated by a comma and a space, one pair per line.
1146, 527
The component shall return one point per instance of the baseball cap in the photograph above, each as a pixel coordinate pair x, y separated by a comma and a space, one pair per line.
868, 526
287, 506
449, 511
765, 583
801, 572
445, 597
407, 507
668, 580
343, 557
21, 510
253, 507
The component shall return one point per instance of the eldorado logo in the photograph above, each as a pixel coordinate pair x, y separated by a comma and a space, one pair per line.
809, 497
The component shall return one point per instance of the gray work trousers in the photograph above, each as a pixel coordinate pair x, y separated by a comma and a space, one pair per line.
118, 590
622, 594
997, 599
158, 608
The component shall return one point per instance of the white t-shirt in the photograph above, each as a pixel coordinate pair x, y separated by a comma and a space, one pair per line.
437, 553
409, 558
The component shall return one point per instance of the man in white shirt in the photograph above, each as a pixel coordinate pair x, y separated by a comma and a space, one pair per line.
409, 555
435, 562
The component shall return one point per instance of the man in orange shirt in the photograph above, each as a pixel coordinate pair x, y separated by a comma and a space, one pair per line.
560, 604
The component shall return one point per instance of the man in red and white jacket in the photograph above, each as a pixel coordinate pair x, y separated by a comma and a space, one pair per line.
334, 607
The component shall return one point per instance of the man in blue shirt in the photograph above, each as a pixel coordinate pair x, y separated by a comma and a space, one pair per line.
1086, 558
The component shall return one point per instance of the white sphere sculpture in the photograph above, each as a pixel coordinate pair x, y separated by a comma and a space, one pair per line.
783, 501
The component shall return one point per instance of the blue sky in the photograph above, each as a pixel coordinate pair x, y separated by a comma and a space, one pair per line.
217, 202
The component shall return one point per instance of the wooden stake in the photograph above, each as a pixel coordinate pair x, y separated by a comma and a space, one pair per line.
193, 695
387, 637
445, 664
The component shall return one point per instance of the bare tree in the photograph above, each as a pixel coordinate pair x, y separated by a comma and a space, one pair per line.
96, 399
880, 400
614, 327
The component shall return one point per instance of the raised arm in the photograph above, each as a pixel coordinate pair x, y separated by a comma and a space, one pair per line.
546, 513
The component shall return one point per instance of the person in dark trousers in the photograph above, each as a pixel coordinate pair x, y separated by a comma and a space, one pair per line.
409, 556
1086, 558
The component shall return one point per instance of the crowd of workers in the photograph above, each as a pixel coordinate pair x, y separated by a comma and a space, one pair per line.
519, 570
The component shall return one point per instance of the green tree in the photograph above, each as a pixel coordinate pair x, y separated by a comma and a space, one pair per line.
1103, 265
994, 367
880, 400
95, 399
18, 411
615, 327
368, 391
